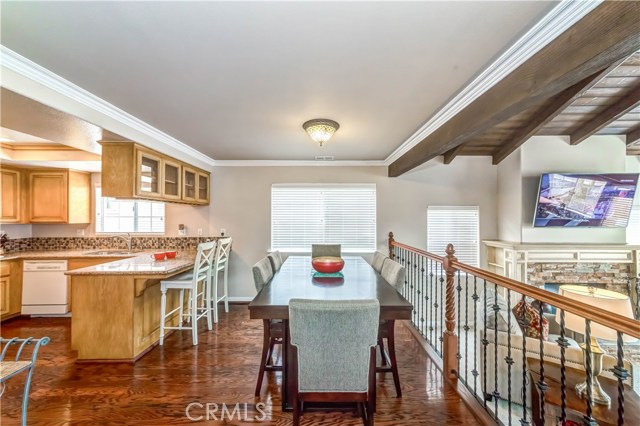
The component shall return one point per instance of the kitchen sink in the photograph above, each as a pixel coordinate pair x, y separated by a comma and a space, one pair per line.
110, 252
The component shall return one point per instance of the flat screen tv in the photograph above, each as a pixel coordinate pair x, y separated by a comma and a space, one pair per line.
588, 200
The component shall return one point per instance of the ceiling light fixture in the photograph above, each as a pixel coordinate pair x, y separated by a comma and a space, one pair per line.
320, 129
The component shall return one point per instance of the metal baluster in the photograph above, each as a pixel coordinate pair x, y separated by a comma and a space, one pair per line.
458, 354
564, 344
423, 280
525, 377
588, 419
416, 281
542, 385
442, 281
431, 302
485, 343
475, 335
621, 374
466, 327
496, 310
508, 359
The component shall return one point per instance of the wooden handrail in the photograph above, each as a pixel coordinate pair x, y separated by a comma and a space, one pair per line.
612, 320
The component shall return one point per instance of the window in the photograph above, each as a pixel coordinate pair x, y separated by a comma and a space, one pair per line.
459, 226
302, 215
116, 215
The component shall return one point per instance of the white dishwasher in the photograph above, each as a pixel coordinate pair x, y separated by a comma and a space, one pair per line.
44, 287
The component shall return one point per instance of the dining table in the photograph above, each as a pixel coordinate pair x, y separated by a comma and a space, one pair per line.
295, 280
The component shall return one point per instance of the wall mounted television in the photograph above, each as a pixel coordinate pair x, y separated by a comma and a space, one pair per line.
585, 200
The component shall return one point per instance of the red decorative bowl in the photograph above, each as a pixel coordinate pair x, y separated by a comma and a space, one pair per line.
327, 264
171, 254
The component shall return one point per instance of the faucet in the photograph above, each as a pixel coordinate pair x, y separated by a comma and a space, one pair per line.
126, 239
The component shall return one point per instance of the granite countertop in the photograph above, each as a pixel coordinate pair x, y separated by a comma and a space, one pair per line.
135, 263
140, 264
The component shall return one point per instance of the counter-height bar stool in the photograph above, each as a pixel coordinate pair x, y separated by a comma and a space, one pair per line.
276, 260
334, 348
378, 261
196, 283
273, 330
393, 273
319, 250
220, 265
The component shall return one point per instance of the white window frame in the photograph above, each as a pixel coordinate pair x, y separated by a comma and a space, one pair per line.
99, 208
462, 248
368, 247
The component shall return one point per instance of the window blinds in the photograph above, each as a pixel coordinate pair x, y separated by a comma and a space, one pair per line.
302, 215
119, 215
459, 226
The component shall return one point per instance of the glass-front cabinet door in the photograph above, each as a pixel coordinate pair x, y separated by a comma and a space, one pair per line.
203, 188
148, 174
171, 180
190, 182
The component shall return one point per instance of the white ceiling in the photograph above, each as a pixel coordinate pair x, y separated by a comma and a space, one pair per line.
236, 80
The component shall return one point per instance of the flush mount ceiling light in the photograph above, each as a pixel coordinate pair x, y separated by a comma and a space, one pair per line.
320, 129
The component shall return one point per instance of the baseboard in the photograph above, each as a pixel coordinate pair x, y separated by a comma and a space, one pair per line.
240, 299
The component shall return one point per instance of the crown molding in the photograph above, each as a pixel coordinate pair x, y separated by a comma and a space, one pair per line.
558, 20
28, 69
298, 163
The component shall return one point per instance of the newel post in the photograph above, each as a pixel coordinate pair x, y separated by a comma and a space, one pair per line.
450, 340
391, 241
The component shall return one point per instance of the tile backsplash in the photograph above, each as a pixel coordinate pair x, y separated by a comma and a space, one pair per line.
91, 243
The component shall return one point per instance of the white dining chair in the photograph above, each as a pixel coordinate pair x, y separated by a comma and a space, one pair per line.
220, 265
378, 261
197, 284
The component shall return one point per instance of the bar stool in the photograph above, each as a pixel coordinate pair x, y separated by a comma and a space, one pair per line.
220, 264
197, 283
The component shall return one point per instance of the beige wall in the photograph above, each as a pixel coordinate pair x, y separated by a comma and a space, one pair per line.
241, 203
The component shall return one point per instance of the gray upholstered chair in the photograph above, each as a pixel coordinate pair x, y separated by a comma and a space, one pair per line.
318, 250
273, 330
334, 350
394, 274
276, 260
378, 261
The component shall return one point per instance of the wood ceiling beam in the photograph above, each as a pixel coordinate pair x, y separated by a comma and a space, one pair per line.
606, 117
452, 153
633, 136
607, 34
548, 112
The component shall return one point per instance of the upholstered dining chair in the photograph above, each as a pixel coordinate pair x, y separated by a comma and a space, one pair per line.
275, 258
378, 261
393, 273
318, 250
273, 330
334, 348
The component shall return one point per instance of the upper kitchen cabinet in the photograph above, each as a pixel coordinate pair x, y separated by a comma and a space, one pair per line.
133, 171
59, 196
11, 185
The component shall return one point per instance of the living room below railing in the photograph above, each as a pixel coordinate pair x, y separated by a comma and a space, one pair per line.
525, 355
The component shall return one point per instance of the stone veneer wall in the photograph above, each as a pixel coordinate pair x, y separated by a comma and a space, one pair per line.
94, 243
615, 275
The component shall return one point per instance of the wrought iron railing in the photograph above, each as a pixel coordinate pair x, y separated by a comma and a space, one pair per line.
463, 313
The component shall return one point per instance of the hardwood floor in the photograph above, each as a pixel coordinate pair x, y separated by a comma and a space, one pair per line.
221, 369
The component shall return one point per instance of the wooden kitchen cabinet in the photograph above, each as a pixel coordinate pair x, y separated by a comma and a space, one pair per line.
10, 289
130, 170
59, 196
203, 188
11, 187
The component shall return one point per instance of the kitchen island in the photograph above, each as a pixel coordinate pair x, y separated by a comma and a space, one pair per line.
116, 306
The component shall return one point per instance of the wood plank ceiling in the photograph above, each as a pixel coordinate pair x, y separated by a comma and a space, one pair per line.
585, 82
605, 104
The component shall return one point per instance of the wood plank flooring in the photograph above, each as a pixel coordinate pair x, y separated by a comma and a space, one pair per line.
221, 369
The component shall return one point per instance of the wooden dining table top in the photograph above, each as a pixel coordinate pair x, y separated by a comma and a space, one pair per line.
295, 281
